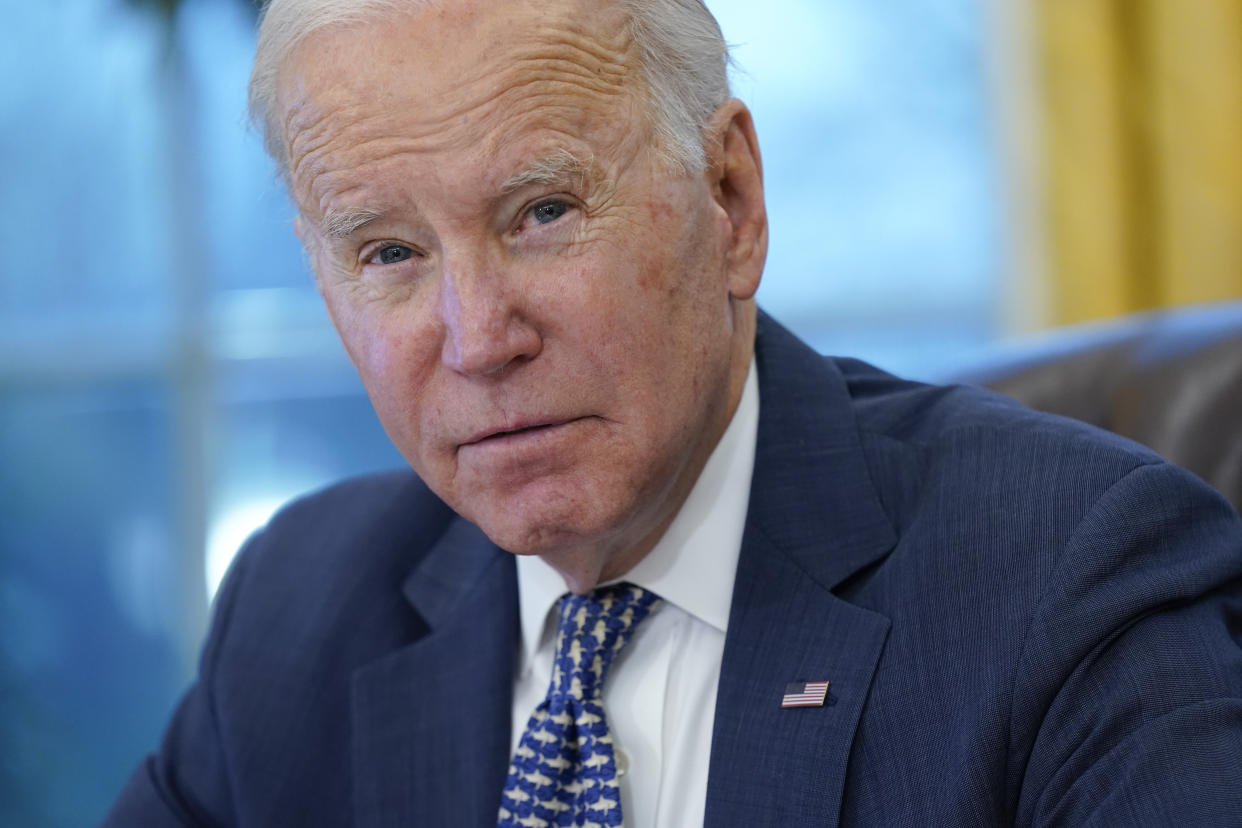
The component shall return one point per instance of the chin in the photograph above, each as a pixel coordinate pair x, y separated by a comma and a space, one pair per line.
550, 523
540, 536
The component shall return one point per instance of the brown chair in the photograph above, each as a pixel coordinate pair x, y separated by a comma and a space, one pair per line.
1171, 380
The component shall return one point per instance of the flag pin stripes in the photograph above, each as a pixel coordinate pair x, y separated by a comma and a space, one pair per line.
805, 694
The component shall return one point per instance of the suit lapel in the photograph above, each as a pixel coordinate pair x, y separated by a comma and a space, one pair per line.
432, 720
814, 520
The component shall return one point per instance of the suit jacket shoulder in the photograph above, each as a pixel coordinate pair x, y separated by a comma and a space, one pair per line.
328, 554
922, 439
995, 594
268, 734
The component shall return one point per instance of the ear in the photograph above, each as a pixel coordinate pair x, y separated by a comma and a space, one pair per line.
735, 169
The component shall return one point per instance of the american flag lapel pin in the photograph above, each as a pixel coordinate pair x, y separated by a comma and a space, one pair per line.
805, 694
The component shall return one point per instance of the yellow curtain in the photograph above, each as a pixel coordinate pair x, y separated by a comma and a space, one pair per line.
1143, 133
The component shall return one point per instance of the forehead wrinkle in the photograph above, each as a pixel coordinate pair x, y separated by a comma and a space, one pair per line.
546, 79
316, 150
309, 129
610, 60
551, 55
346, 159
555, 55
551, 71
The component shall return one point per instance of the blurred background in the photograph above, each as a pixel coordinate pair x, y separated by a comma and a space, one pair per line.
942, 174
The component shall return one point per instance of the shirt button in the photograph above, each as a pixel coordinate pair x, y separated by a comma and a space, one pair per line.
623, 762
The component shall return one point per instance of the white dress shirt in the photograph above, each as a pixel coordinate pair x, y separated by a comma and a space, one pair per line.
660, 694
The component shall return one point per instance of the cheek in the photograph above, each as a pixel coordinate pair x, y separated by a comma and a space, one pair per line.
359, 335
385, 349
377, 353
654, 273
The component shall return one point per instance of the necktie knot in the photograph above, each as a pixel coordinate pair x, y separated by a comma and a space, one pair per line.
592, 629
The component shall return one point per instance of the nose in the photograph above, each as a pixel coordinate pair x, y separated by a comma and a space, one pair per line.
485, 327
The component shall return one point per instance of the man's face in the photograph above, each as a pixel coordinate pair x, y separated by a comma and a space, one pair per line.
545, 317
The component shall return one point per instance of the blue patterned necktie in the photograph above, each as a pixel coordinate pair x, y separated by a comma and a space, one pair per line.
564, 771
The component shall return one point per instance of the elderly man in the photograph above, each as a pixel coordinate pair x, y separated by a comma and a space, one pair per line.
657, 560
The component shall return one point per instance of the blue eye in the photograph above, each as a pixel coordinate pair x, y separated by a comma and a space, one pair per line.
391, 254
549, 211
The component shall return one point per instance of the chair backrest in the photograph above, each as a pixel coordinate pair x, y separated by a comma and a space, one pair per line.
1171, 380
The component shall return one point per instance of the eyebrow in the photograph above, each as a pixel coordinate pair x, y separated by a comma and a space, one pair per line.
557, 168
344, 222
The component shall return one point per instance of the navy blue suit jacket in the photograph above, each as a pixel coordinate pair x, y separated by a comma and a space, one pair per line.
1025, 621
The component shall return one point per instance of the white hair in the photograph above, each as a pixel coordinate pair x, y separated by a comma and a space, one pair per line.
682, 57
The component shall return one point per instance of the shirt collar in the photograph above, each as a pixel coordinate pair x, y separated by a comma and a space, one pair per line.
693, 565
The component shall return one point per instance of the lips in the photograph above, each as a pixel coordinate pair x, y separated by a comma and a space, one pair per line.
523, 429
